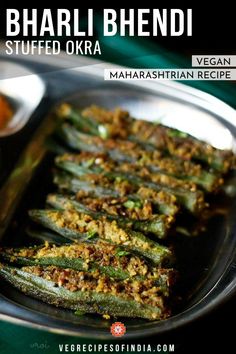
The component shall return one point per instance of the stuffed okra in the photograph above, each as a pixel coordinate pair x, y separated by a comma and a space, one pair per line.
119, 124
115, 183
89, 292
80, 226
113, 261
141, 219
120, 183
139, 157
85, 161
163, 202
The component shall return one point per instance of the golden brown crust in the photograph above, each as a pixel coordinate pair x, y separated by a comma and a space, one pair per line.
145, 292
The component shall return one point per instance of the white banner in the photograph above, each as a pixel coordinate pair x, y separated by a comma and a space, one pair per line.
170, 74
214, 60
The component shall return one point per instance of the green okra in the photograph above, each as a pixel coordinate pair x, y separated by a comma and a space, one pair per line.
163, 202
172, 177
72, 184
88, 125
137, 156
80, 141
79, 226
193, 201
77, 264
157, 225
182, 145
169, 140
42, 236
51, 257
113, 262
88, 301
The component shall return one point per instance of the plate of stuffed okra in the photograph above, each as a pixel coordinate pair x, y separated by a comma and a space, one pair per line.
122, 190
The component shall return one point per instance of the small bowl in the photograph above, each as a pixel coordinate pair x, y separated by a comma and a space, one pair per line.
24, 90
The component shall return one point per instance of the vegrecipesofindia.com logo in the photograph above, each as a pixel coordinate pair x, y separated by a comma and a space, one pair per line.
118, 329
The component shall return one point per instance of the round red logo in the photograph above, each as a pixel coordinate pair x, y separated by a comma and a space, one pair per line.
118, 329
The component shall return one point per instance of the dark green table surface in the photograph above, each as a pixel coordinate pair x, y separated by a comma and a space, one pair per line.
15, 339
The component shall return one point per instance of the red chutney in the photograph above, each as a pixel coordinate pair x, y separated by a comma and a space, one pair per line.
5, 112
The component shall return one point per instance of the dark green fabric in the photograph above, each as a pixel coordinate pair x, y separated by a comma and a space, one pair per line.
142, 53
16, 339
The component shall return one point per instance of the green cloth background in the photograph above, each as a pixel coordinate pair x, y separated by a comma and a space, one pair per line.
133, 53
16, 339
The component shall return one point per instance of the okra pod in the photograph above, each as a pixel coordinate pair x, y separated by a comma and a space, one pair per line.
88, 125
72, 184
139, 158
85, 162
156, 224
80, 141
163, 202
193, 201
75, 225
174, 142
113, 261
87, 292
182, 145
41, 236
